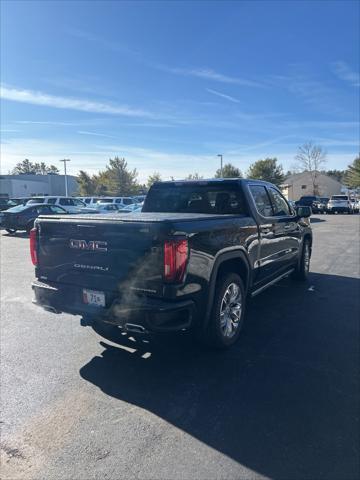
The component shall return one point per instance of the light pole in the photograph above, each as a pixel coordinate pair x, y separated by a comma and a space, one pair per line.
66, 183
221, 164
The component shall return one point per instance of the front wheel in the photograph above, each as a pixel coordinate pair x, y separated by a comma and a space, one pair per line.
302, 270
227, 315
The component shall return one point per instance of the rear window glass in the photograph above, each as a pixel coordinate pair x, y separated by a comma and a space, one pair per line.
36, 200
339, 197
195, 198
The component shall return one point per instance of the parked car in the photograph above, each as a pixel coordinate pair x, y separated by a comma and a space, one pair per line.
118, 200
89, 201
135, 207
353, 203
70, 204
340, 204
22, 217
189, 260
357, 206
20, 200
139, 198
102, 208
5, 203
311, 201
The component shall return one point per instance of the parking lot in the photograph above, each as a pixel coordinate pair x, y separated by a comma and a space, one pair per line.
283, 403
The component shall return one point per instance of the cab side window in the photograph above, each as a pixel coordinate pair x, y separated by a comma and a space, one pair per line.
280, 205
66, 201
262, 200
56, 209
42, 210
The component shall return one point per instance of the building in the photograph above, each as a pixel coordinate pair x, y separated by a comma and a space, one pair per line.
25, 185
300, 184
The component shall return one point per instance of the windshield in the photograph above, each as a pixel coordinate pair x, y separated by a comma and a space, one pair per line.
339, 197
195, 198
18, 208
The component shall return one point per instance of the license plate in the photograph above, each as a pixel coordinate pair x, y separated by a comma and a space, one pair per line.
94, 297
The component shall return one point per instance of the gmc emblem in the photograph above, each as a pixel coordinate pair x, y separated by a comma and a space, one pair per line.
92, 245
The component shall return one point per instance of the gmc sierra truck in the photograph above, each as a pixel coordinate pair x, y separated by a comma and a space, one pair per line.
189, 260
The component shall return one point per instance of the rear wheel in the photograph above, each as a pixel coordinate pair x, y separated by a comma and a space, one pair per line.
12, 231
227, 315
302, 270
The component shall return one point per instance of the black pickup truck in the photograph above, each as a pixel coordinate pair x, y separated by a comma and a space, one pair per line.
189, 260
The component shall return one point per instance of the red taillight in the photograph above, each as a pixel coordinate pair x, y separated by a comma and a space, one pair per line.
33, 246
175, 258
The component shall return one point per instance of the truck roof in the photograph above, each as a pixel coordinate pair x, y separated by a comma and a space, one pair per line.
213, 180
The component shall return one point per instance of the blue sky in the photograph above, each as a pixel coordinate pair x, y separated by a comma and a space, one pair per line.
169, 85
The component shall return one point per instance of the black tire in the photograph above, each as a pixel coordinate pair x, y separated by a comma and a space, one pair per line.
223, 331
12, 231
302, 270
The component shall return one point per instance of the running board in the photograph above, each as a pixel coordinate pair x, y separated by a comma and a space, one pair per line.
277, 279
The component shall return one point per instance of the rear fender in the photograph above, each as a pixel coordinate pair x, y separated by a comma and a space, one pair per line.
238, 254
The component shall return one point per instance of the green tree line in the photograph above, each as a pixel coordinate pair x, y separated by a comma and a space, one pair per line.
118, 179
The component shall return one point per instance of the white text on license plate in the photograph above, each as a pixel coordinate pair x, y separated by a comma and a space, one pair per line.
94, 297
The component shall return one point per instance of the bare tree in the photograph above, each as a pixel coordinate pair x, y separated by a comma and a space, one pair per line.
311, 158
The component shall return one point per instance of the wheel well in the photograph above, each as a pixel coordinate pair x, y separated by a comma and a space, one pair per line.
234, 265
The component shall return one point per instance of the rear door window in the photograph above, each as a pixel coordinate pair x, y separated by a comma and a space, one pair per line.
51, 200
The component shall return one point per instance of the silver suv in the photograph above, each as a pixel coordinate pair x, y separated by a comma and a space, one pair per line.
340, 204
70, 204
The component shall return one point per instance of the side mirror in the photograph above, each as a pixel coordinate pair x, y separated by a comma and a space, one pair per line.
303, 212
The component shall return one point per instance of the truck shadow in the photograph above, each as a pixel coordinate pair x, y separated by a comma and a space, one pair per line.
283, 402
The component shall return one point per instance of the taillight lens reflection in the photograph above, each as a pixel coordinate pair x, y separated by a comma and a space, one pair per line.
33, 246
175, 257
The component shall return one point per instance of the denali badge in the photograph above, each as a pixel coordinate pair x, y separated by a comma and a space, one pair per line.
93, 245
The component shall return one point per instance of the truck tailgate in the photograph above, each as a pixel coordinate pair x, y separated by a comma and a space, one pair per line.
103, 253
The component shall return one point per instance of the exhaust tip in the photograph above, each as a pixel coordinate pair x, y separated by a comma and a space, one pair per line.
132, 327
50, 309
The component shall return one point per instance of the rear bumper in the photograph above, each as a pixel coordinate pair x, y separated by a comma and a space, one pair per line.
152, 314
339, 209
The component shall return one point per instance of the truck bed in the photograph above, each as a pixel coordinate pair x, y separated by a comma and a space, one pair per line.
135, 217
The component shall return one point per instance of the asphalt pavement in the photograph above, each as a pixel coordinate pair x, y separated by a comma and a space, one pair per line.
282, 404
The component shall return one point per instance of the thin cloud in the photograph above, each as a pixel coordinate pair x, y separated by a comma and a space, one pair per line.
343, 71
61, 124
67, 103
208, 74
223, 95
205, 73
95, 134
